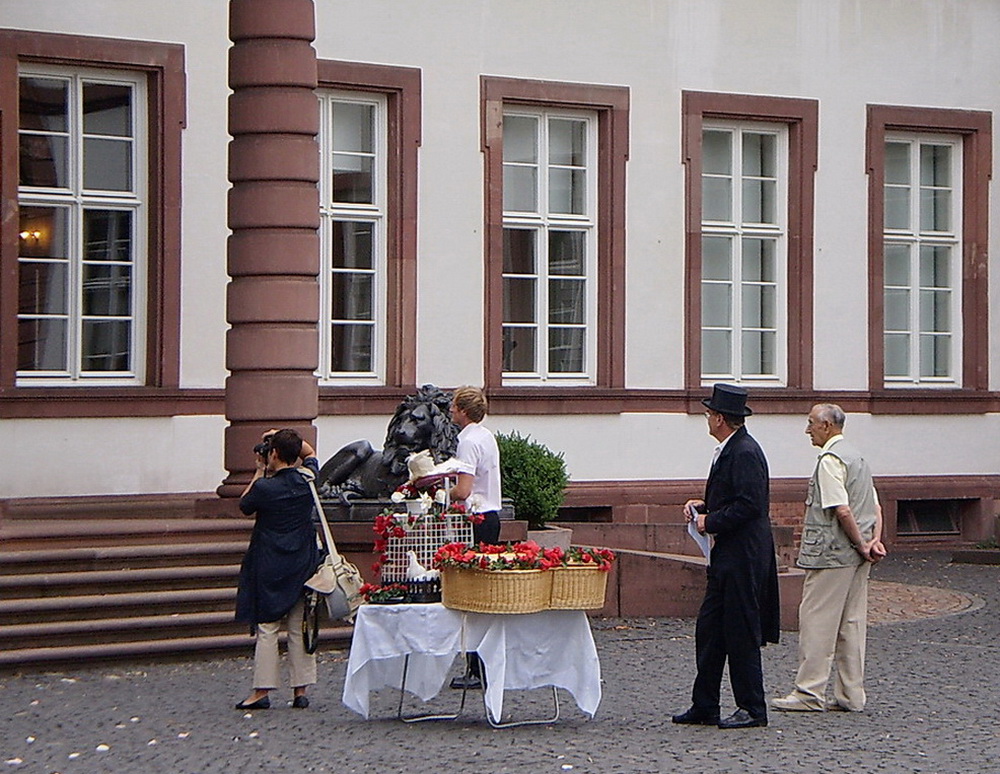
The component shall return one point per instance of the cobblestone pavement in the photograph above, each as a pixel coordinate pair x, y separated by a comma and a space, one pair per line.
932, 686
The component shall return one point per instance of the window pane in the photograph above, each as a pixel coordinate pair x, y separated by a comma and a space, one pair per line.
42, 288
759, 263
935, 263
717, 153
353, 296
519, 300
519, 350
897, 207
353, 127
935, 209
43, 161
41, 344
897, 354
758, 353
716, 258
43, 104
566, 350
935, 356
716, 348
353, 178
935, 165
107, 109
716, 305
897, 309
897, 163
353, 245
105, 345
717, 198
567, 142
759, 159
520, 139
759, 306
935, 311
351, 348
759, 198
518, 251
520, 188
44, 232
897, 264
567, 252
568, 191
107, 235
107, 290
107, 165
567, 301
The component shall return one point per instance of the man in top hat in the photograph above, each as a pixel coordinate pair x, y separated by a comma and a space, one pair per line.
740, 610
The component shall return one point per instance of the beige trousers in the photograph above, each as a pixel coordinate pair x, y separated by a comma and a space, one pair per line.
302, 665
833, 622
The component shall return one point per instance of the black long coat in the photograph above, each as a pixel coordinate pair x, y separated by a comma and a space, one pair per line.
282, 554
737, 500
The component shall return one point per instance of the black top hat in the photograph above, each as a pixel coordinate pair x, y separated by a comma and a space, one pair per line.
728, 399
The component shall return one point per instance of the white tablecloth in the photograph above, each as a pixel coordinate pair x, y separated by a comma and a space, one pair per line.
534, 650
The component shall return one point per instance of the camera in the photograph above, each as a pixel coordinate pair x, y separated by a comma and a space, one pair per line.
264, 447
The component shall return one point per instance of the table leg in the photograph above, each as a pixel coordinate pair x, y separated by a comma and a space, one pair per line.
420, 718
513, 723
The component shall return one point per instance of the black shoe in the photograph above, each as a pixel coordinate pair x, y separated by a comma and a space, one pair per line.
467, 682
262, 703
300, 702
743, 719
694, 717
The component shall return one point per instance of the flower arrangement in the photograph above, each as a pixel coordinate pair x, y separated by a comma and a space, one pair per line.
527, 555
382, 594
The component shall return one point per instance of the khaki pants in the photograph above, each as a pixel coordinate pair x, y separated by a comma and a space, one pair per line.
833, 621
302, 665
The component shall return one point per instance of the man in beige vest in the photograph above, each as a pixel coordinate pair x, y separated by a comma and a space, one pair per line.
841, 539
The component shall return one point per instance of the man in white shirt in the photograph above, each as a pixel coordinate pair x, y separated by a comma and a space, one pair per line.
479, 486
479, 474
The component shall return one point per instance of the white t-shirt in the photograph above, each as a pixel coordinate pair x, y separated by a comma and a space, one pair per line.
479, 455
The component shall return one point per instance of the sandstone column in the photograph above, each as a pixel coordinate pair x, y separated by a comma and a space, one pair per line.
272, 301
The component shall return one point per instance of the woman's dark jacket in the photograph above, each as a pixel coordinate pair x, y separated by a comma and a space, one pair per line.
737, 500
282, 554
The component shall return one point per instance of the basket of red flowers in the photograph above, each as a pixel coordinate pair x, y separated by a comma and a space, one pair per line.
581, 582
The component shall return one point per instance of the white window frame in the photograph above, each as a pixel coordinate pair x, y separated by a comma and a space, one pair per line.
542, 222
76, 199
915, 237
374, 213
736, 230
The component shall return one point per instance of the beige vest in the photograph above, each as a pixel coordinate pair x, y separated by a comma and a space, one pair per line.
824, 542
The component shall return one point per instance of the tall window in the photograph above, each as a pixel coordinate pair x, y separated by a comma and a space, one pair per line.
750, 163
922, 255
743, 252
353, 236
82, 203
549, 284
928, 249
554, 187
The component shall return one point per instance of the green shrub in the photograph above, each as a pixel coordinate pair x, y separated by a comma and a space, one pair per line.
533, 476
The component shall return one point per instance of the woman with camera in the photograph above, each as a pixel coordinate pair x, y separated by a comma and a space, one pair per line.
281, 556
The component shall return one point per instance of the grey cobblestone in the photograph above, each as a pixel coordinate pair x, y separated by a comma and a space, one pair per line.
932, 708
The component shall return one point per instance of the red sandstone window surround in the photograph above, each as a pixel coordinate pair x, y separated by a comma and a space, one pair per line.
782, 358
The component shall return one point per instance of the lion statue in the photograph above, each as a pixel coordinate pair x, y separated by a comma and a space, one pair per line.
422, 421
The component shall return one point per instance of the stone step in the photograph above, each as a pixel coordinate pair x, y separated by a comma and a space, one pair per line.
142, 506
92, 582
19, 658
91, 533
120, 557
118, 605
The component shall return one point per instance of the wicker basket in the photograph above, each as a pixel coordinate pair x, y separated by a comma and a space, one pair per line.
578, 588
496, 591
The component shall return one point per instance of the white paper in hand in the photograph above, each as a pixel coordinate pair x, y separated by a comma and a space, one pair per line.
704, 541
